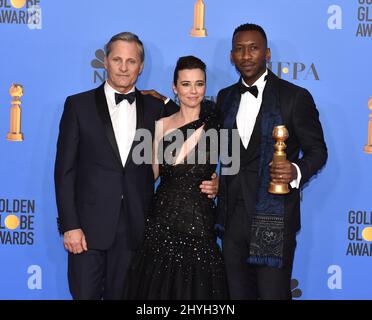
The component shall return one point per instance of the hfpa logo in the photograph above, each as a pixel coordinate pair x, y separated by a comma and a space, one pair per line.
294, 70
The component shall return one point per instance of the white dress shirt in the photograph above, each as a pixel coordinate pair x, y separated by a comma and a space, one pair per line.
249, 108
123, 118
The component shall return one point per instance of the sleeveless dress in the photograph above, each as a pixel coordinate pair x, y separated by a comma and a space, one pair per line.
179, 258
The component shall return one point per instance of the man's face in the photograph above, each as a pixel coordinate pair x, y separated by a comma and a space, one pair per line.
123, 65
249, 55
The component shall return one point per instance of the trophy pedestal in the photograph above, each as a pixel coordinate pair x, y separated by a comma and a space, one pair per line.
278, 188
198, 33
368, 149
14, 136
198, 29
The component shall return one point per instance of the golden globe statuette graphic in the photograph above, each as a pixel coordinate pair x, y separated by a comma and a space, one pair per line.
280, 134
199, 11
15, 134
368, 146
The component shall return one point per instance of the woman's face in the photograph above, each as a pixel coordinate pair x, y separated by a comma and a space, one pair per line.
190, 87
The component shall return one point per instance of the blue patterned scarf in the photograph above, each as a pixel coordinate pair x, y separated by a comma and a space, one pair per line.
267, 230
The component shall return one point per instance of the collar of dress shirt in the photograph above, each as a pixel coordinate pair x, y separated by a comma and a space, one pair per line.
260, 82
110, 93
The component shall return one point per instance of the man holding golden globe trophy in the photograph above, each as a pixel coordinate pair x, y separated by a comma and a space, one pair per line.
281, 148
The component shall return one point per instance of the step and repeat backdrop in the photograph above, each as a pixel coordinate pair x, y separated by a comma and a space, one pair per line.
54, 48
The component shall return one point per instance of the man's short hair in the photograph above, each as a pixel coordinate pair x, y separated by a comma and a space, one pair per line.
250, 27
128, 37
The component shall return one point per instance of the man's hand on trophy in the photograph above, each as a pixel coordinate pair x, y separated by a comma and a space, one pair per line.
155, 94
282, 172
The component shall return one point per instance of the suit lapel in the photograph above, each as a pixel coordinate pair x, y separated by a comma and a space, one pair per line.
103, 112
269, 109
140, 106
231, 106
271, 94
268, 98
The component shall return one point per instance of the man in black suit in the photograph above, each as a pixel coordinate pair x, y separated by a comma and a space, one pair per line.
103, 193
259, 228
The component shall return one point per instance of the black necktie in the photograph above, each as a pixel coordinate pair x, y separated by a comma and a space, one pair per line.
119, 97
253, 90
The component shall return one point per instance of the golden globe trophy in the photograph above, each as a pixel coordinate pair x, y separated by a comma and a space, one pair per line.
199, 11
280, 134
15, 134
368, 146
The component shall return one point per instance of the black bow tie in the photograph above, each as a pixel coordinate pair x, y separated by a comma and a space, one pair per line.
119, 97
253, 90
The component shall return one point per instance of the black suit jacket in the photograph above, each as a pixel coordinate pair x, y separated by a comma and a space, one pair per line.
91, 182
301, 118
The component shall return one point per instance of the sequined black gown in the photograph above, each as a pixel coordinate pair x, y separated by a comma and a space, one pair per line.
179, 258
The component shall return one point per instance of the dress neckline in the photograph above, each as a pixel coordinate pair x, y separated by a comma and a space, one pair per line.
193, 124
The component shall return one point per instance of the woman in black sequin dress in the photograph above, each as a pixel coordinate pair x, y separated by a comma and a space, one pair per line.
179, 258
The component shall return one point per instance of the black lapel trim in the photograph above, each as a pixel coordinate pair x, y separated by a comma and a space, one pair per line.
231, 106
271, 91
104, 115
270, 103
140, 105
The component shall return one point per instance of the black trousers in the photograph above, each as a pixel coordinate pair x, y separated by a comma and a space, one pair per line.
251, 282
100, 274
